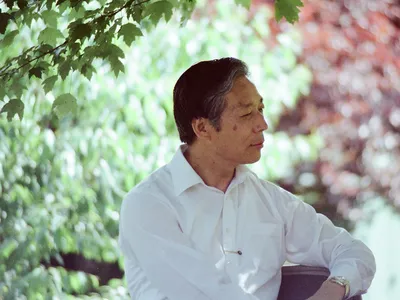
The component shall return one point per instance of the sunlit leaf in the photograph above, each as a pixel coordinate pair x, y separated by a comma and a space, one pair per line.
244, 3
50, 17
288, 9
64, 104
50, 36
157, 10
7, 247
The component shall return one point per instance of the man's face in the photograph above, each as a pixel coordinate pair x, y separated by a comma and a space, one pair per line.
242, 125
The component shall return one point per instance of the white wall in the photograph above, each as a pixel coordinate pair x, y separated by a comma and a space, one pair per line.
381, 232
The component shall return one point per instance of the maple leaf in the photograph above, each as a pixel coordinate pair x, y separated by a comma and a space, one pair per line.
64, 104
129, 32
288, 9
13, 107
157, 9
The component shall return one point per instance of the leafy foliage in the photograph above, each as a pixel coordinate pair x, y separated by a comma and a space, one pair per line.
72, 33
354, 104
12, 108
63, 179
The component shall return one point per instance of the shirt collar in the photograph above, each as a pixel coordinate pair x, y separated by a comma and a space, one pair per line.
184, 176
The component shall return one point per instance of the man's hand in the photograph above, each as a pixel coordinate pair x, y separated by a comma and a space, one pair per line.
329, 291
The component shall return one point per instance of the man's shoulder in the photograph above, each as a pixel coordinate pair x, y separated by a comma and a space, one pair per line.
275, 192
155, 185
266, 185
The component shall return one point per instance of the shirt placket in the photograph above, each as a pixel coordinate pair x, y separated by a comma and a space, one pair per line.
229, 233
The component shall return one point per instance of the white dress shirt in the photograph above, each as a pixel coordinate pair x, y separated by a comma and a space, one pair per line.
176, 234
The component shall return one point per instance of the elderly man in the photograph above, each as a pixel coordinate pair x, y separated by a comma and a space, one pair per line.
204, 226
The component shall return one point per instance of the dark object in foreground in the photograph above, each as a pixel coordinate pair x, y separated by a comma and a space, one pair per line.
301, 282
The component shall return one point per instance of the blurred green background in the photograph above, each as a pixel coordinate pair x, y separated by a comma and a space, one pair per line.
332, 99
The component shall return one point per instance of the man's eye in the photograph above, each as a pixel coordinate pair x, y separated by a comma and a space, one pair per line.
261, 109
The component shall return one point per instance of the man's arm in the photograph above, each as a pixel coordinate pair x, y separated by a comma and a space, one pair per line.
169, 259
140, 288
312, 239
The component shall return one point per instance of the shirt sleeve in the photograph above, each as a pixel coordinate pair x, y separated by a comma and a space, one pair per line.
140, 288
312, 239
169, 259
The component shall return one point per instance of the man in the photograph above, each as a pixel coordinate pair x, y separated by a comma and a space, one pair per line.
206, 227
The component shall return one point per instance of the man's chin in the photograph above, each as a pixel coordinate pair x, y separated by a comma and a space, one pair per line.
252, 160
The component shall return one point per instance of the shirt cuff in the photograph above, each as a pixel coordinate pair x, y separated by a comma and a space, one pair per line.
350, 272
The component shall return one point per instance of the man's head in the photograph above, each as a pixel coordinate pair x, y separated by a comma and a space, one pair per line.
215, 105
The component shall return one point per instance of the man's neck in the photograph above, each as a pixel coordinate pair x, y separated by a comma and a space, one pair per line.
213, 170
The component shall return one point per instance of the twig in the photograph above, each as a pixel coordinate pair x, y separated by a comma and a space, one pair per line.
111, 14
125, 6
35, 58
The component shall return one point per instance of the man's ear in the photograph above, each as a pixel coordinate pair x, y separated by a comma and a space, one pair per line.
201, 128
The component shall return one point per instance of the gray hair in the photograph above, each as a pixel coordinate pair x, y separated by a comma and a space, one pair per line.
200, 93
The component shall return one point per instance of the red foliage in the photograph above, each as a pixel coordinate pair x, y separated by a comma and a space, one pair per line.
353, 50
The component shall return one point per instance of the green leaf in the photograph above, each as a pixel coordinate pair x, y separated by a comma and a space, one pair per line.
37, 71
112, 5
22, 4
13, 107
48, 84
88, 70
64, 69
157, 9
244, 3
136, 12
8, 39
2, 91
62, 7
44, 48
64, 104
129, 32
78, 281
110, 50
17, 87
4, 18
7, 247
59, 2
50, 36
50, 17
10, 3
75, 3
288, 9
81, 31
116, 65
92, 12
30, 15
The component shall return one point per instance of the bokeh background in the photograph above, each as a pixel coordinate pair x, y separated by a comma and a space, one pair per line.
331, 85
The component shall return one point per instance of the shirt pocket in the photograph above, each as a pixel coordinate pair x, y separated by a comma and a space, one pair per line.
266, 245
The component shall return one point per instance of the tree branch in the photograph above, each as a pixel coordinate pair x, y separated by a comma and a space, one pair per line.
109, 15
113, 13
33, 59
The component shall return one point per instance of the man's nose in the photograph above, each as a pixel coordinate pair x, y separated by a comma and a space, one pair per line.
261, 125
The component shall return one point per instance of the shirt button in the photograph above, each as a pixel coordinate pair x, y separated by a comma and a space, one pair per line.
228, 262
